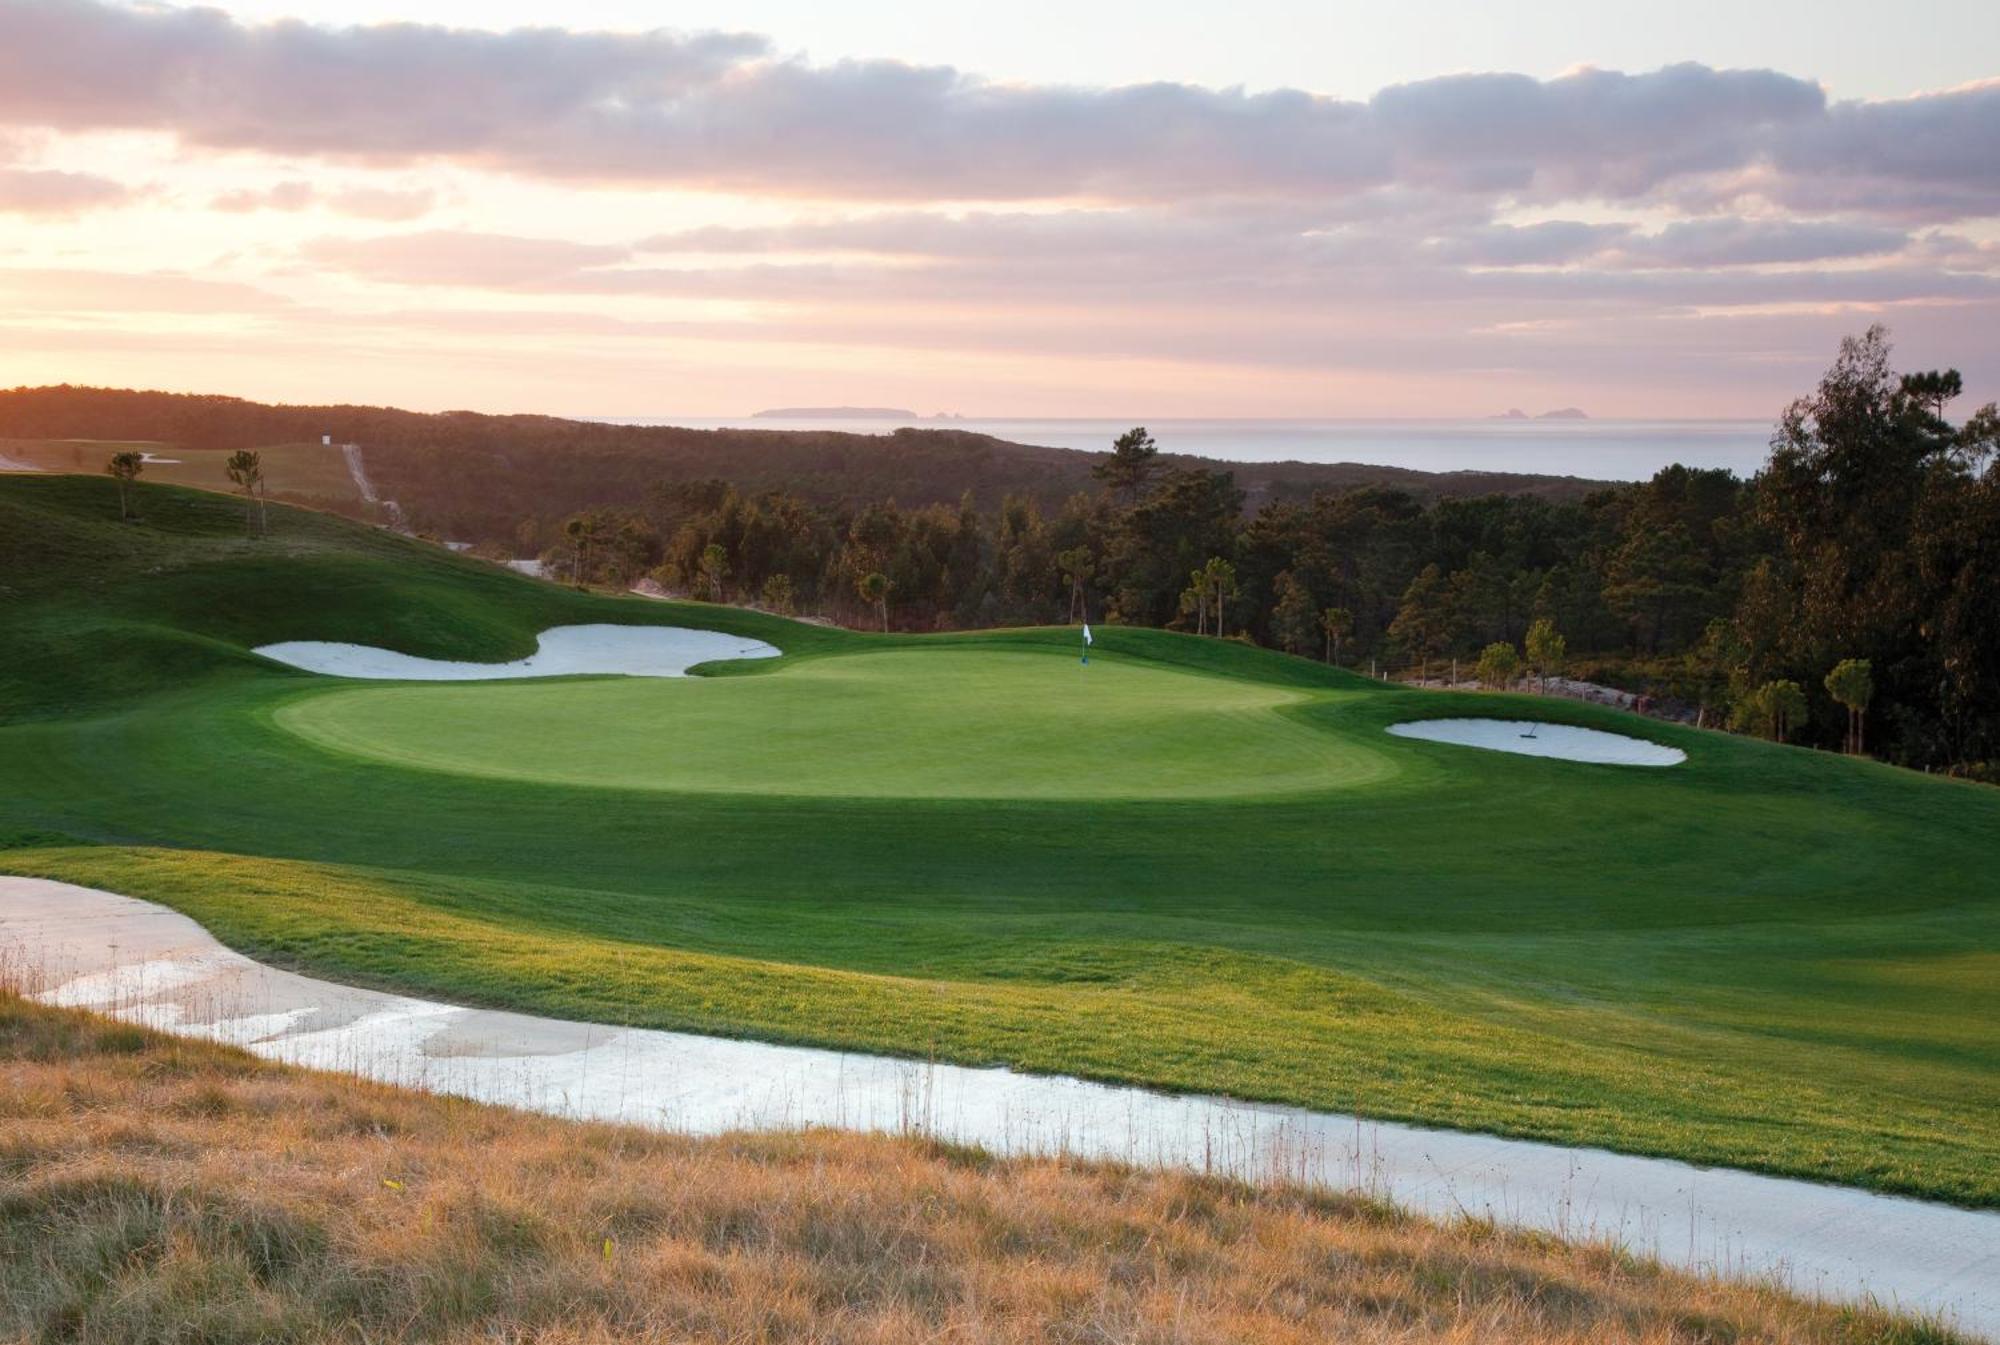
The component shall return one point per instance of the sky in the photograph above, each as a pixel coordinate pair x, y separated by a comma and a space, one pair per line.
1083, 209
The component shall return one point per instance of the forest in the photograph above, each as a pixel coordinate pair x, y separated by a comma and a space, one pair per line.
1847, 596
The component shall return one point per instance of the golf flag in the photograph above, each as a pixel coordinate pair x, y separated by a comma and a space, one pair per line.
1086, 642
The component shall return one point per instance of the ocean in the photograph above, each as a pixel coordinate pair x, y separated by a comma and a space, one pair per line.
1613, 450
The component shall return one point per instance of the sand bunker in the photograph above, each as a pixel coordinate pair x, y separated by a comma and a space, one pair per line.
562, 651
1565, 742
146, 964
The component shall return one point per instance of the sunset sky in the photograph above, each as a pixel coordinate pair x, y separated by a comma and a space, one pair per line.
1122, 209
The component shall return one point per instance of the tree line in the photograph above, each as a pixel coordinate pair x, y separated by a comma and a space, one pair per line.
1848, 594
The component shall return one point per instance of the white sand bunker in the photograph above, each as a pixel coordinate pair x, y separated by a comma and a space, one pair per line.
562, 651
1565, 742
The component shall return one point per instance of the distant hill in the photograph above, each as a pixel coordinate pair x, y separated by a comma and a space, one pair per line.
835, 413
477, 478
1563, 413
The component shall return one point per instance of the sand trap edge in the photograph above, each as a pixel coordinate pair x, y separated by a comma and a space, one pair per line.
1537, 738
561, 651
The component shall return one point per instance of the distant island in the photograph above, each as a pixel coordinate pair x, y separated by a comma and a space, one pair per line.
1561, 413
835, 413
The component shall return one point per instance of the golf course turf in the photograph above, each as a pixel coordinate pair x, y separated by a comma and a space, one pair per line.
1193, 864
952, 723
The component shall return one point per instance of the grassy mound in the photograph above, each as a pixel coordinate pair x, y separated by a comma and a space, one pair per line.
1764, 957
157, 1189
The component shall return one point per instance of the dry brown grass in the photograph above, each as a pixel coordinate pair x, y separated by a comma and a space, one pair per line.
157, 1190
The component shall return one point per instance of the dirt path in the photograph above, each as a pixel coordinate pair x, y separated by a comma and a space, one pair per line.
355, 469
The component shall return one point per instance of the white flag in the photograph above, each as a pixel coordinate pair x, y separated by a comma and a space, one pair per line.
1086, 633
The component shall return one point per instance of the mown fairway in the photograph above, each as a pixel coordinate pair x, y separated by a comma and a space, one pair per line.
1193, 864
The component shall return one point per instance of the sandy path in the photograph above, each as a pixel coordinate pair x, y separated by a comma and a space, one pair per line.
147, 964
356, 469
8, 464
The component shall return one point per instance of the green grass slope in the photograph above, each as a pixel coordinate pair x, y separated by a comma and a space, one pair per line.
1193, 865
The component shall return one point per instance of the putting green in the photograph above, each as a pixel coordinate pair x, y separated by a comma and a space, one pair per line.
969, 723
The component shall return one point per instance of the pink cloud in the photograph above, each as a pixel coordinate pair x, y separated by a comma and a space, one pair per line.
47, 191
716, 111
45, 290
284, 196
449, 257
389, 205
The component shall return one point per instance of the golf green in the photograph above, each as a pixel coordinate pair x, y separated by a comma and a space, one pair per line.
933, 724
1192, 865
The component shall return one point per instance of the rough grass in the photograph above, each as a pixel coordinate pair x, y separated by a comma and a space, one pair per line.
1766, 958
153, 1189
310, 473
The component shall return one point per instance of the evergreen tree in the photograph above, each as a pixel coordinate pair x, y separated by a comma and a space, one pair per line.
1134, 455
1852, 683
1294, 619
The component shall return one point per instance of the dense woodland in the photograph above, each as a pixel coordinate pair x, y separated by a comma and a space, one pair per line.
1847, 596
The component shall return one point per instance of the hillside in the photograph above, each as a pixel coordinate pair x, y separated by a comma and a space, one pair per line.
156, 1189
476, 477
307, 473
